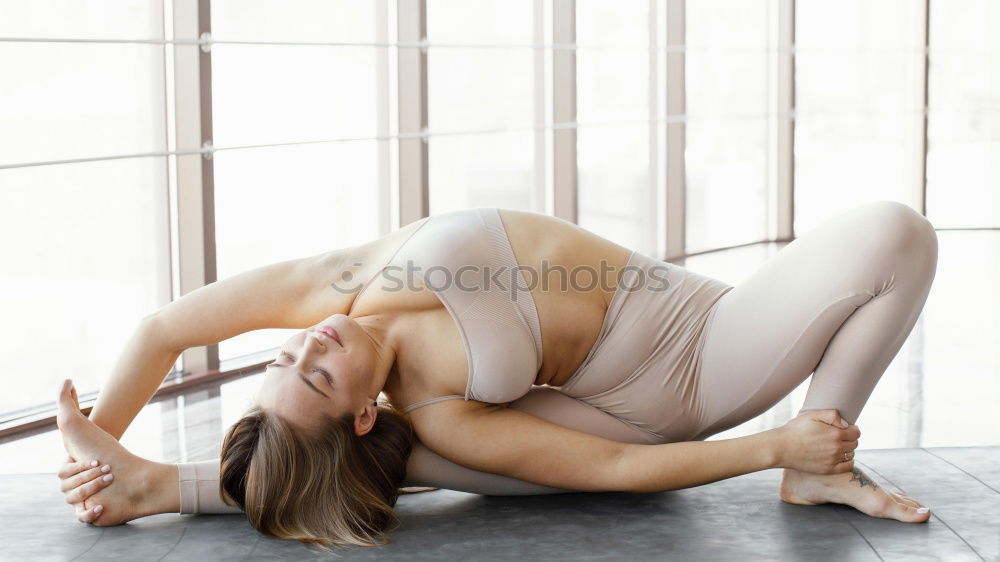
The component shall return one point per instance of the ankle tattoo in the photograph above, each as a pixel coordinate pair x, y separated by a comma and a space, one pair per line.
862, 479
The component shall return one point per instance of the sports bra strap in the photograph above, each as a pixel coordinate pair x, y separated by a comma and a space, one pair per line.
429, 401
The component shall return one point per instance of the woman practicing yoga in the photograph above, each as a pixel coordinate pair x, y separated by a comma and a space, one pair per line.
518, 353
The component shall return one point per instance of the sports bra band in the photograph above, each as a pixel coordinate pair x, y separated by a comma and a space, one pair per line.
429, 401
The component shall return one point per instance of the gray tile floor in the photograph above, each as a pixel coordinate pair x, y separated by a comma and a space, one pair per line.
736, 519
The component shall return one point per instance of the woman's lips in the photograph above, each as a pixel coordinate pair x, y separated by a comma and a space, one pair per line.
330, 333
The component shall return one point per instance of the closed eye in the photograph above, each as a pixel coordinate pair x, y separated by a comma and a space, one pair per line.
291, 358
325, 375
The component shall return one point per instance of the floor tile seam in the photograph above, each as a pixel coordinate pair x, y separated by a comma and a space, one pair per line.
933, 513
860, 534
928, 451
92, 545
177, 542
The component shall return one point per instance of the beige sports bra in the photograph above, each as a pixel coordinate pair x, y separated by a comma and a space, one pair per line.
465, 258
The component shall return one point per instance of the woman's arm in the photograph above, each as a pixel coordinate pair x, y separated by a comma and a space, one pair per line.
193, 487
672, 466
504, 441
289, 294
812, 442
283, 295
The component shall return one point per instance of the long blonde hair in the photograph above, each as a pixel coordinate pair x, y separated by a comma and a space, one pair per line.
326, 487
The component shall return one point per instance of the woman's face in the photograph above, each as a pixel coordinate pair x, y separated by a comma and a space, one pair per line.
316, 373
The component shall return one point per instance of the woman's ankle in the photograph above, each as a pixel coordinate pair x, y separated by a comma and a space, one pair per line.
162, 483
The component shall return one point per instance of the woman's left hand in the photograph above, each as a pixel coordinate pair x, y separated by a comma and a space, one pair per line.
818, 441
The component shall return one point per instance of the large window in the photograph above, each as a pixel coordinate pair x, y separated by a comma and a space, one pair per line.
280, 202
148, 147
727, 124
963, 157
84, 245
481, 104
858, 106
613, 109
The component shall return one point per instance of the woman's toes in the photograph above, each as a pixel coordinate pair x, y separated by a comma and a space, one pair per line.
69, 408
905, 499
907, 513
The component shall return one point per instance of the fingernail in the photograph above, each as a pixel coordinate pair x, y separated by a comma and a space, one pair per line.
109, 478
93, 463
843, 423
106, 468
99, 509
922, 510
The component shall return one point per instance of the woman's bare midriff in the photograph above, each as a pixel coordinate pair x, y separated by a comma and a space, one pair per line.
431, 359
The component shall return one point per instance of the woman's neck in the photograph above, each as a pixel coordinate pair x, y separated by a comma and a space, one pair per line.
380, 328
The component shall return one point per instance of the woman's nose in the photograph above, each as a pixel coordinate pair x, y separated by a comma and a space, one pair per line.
312, 344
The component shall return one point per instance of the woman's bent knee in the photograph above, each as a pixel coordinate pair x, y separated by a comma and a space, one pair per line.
904, 232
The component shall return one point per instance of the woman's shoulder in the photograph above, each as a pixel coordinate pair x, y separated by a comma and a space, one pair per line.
364, 260
535, 237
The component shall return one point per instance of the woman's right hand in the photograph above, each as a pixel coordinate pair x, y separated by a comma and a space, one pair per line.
817, 441
81, 480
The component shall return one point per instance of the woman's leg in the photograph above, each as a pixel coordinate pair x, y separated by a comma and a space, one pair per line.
837, 302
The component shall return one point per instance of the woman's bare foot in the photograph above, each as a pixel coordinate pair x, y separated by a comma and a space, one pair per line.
138, 488
854, 488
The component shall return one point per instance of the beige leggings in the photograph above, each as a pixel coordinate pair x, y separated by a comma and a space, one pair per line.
837, 303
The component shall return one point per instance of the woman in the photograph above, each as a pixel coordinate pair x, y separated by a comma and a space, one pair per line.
608, 377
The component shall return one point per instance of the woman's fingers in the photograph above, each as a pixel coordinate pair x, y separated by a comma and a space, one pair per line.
71, 467
843, 457
845, 466
83, 492
847, 447
844, 453
88, 515
828, 416
81, 478
850, 433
